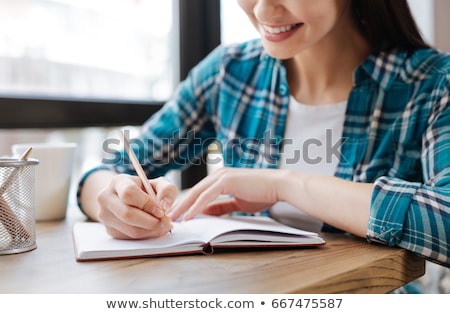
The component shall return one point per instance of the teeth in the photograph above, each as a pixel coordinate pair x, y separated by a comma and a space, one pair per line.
278, 30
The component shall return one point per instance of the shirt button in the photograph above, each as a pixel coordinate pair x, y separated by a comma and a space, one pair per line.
283, 89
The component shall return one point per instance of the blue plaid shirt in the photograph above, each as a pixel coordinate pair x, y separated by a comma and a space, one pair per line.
396, 134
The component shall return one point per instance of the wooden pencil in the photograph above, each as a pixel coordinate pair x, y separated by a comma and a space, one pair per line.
141, 174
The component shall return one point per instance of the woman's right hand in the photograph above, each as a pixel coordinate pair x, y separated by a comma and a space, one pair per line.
128, 212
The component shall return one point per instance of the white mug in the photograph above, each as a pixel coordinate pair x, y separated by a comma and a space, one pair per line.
53, 175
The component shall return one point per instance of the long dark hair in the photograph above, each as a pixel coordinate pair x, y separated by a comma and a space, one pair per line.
388, 24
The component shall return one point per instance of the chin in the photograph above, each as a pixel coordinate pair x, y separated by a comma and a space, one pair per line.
278, 52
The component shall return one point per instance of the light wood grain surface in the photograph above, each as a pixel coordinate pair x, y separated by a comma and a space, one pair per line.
345, 265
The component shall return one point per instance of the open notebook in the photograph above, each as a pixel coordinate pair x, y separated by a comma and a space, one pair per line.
199, 235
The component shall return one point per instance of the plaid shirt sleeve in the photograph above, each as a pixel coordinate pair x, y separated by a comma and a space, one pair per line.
413, 215
176, 135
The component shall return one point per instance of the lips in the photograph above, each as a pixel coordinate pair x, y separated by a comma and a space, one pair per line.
279, 33
280, 29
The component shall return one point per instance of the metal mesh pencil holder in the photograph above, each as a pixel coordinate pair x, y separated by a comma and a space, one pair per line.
17, 223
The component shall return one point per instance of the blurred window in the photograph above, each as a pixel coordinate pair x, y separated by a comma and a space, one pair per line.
97, 49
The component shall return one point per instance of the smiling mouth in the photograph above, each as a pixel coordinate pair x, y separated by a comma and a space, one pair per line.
281, 29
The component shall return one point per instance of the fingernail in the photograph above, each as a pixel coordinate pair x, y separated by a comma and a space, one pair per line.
166, 203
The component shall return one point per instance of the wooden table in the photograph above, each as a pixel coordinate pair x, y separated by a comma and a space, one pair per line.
345, 265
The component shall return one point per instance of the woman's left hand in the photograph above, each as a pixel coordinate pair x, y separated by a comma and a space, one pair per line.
251, 190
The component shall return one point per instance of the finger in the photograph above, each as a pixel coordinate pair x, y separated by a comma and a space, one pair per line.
123, 221
181, 204
166, 192
129, 232
131, 193
207, 196
113, 210
198, 197
121, 230
223, 207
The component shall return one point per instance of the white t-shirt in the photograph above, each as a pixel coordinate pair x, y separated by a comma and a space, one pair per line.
312, 145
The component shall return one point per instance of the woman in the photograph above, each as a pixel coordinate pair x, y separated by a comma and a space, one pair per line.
353, 77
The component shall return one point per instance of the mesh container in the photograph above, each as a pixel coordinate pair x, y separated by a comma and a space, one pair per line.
17, 223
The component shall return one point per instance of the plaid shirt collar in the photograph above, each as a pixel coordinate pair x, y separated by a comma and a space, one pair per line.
384, 68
